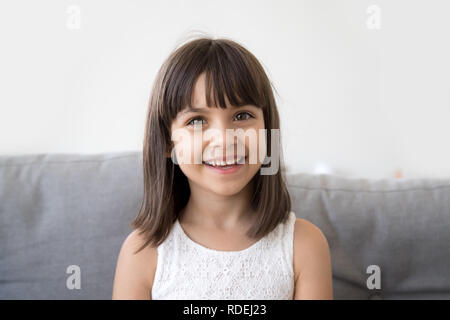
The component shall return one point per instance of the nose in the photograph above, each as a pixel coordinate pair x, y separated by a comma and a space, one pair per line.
217, 142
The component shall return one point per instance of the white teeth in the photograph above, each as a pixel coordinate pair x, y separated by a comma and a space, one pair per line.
223, 163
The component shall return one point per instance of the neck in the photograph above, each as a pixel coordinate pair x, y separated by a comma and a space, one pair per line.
226, 212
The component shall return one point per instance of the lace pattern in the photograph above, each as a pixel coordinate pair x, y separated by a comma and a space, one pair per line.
263, 271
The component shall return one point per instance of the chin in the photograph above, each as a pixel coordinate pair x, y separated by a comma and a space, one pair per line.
224, 185
225, 191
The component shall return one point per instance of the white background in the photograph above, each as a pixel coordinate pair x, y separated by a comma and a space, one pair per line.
363, 102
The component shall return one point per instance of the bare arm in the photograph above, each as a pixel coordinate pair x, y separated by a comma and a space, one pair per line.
312, 263
134, 272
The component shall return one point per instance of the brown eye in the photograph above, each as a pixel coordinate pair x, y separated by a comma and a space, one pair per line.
249, 115
192, 122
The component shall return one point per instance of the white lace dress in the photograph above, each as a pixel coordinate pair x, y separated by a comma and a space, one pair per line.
189, 271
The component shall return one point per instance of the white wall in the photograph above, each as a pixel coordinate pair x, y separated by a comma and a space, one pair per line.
365, 102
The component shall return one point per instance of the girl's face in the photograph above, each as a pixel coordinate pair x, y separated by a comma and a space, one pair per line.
200, 135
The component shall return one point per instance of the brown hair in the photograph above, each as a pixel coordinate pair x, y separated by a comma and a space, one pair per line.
231, 71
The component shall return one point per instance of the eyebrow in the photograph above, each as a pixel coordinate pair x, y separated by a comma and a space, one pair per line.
188, 110
201, 110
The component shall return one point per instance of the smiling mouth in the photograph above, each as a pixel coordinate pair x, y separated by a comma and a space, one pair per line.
225, 164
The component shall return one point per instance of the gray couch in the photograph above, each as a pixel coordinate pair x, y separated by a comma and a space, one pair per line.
60, 210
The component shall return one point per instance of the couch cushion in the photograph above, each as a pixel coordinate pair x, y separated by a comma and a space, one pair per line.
59, 210
402, 226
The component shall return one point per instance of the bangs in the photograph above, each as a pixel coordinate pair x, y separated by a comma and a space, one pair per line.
231, 73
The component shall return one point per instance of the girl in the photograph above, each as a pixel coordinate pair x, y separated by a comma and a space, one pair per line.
211, 225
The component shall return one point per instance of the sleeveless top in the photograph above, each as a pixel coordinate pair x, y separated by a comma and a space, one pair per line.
186, 270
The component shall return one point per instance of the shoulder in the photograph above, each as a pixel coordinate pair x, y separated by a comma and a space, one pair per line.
312, 260
133, 242
307, 233
309, 242
135, 270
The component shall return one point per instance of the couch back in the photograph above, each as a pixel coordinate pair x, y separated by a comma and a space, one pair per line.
63, 215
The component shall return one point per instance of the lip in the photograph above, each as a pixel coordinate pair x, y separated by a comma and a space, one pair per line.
234, 169
227, 159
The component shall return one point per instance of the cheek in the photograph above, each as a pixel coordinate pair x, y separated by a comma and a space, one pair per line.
256, 146
188, 152
187, 145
